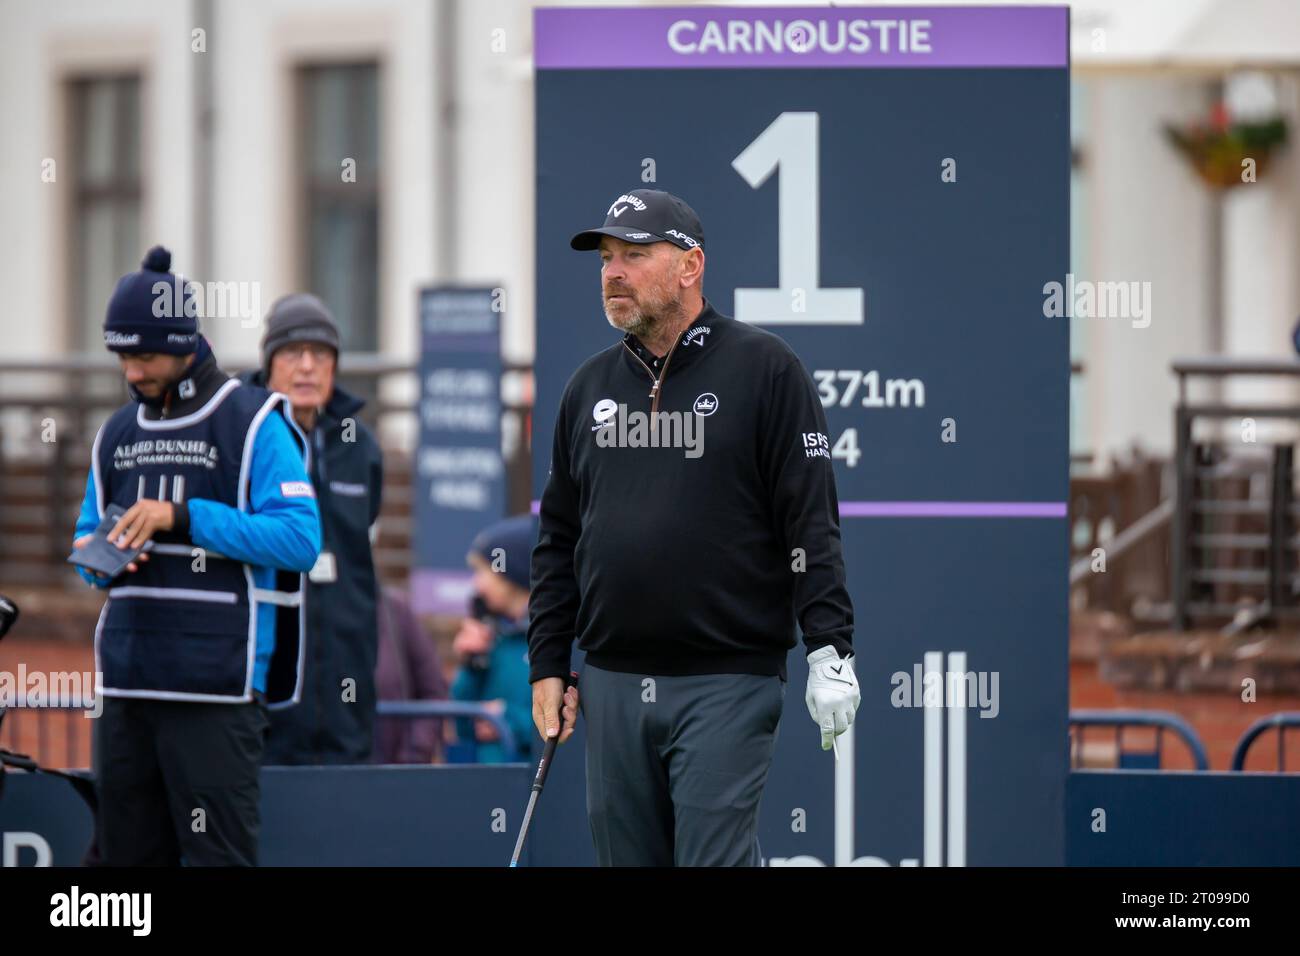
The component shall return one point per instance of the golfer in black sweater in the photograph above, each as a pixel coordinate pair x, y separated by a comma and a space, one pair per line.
689, 521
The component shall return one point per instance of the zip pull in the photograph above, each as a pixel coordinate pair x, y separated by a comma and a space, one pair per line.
654, 404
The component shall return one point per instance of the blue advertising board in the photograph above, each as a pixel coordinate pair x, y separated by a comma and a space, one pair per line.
460, 484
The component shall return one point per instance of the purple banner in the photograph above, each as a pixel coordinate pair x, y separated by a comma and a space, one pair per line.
952, 509
630, 38
941, 509
436, 591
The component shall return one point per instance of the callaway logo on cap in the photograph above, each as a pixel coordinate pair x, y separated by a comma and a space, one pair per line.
644, 216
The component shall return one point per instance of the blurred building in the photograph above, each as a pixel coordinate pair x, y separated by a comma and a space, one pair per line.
225, 131
356, 149
1221, 263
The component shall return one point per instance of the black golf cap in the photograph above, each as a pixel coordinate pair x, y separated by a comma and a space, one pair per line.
646, 215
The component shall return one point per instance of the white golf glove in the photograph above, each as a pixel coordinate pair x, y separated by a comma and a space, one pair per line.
833, 695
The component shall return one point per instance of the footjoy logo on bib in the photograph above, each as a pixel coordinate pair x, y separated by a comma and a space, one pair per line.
297, 489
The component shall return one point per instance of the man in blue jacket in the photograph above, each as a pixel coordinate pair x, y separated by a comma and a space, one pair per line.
204, 632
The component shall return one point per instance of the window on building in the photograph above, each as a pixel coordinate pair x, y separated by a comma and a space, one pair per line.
339, 164
105, 223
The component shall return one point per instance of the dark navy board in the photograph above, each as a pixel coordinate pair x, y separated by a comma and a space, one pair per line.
940, 585
392, 816
329, 816
953, 276
1170, 819
953, 272
422, 816
459, 473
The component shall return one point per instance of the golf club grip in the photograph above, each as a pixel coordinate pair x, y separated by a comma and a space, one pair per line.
548, 751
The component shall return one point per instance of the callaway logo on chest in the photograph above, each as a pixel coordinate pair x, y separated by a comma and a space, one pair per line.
696, 335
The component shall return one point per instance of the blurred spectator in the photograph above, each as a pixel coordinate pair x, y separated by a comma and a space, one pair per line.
407, 669
334, 723
492, 644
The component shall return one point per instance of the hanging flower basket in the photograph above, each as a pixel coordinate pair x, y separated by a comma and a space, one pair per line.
1218, 148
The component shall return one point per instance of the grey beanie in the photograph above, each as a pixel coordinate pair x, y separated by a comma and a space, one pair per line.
298, 317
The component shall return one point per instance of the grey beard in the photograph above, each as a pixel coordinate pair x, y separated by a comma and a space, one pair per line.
643, 324
640, 324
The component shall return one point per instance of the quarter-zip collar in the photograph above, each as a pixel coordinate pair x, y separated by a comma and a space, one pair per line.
697, 338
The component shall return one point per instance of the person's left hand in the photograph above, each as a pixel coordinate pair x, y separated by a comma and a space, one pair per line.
833, 695
141, 521
85, 539
473, 638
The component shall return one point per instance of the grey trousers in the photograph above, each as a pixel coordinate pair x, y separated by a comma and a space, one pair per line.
676, 765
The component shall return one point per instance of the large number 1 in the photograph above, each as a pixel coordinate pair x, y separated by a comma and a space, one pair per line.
790, 142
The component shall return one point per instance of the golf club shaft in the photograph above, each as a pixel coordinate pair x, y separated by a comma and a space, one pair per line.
539, 779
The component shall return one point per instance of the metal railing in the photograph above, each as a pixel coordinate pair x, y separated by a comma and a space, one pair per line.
13, 718
1157, 519
1199, 567
1161, 721
1122, 516
450, 708
1279, 721
41, 481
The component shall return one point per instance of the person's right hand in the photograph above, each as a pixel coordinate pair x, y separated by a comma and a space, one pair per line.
133, 566
551, 704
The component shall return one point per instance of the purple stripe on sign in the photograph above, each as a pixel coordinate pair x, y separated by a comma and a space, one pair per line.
464, 343
952, 509
940, 509
435, 591
630, 38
